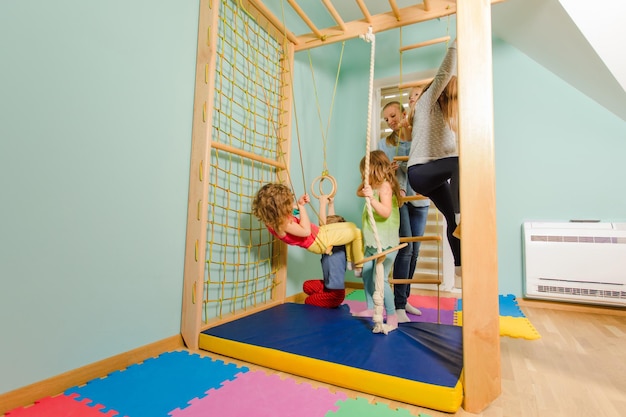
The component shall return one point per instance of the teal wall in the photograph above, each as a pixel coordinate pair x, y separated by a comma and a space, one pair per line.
558, 155
95, 126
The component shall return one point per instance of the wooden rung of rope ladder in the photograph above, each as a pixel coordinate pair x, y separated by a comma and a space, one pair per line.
425, 43
436, 281
415, 197
380, 255
411, 84
426, 238
433, 281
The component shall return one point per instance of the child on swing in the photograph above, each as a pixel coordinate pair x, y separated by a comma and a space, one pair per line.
329, 292
383, 192
273, 205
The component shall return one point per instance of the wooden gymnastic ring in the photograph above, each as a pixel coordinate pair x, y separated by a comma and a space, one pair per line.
321, 179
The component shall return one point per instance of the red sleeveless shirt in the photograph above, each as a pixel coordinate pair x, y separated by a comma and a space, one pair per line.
303, 242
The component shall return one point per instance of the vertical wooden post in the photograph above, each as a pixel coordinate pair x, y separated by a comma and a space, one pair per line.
284, 146
195, 248
481, 330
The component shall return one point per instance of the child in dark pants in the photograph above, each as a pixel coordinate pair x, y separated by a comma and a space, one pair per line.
329, 292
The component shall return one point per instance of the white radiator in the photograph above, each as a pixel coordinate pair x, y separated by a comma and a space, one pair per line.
583, 262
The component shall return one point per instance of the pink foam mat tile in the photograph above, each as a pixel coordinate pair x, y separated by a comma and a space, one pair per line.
428, 301
257, 394
429, 315
61, 406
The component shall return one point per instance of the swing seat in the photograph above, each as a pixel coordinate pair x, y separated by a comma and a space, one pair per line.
380, 255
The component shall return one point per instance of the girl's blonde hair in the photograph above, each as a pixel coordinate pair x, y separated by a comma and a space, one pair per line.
273, 205
447, 102
381, 171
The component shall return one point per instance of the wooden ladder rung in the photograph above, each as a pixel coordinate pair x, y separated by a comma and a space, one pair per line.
415, 281
416, 197
420, 238
381, 254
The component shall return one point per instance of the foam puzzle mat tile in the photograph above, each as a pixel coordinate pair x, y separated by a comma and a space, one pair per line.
507, 305
362, 408
429, 301
356, 295
60, 406
158, 385
419, 301
429, 315
257, 394
518, 327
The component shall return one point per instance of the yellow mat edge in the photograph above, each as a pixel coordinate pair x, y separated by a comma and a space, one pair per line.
440, 398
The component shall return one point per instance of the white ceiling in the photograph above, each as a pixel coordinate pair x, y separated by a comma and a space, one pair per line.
584, 47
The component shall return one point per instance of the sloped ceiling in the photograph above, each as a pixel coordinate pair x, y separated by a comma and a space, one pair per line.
573, 44
580, 42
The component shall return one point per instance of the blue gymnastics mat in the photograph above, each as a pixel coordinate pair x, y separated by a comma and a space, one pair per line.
418, 363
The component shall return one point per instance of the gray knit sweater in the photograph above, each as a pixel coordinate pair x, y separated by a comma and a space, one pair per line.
432, 138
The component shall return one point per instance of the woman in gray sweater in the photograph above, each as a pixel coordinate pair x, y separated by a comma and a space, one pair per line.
433, 167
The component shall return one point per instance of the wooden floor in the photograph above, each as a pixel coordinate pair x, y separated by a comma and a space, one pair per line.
577, 368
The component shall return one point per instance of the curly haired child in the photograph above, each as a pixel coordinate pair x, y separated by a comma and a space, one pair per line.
273, 205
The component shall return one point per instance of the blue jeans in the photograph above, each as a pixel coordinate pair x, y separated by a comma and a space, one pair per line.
412, 223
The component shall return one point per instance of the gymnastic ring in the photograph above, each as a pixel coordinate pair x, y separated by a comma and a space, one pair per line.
321, 179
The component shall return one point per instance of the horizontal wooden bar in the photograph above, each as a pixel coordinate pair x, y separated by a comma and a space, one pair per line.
425, 43
415, 281
412, 84
249, 155
381, 254
428, 238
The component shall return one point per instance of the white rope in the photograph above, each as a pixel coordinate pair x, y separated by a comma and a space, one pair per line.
379, 282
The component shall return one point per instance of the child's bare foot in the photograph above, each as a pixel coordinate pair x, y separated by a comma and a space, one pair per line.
365, 313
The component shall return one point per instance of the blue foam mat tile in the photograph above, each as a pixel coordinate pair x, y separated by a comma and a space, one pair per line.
158, 385
507, 305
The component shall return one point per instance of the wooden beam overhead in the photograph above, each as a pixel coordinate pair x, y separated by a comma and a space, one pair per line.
366, 13
334, 14
398, 17
394, 9
381, 22
271, 17
318, 34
